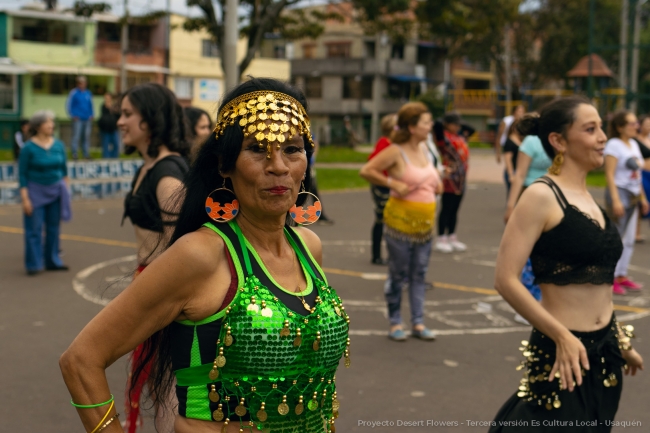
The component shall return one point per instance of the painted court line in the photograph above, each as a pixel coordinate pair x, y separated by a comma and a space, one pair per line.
365, 275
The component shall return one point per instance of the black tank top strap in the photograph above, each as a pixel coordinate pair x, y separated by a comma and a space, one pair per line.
316, 271
561, 199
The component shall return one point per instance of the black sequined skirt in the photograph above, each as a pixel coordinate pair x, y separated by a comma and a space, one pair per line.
540, 406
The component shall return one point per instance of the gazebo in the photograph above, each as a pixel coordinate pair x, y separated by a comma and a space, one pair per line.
599, 70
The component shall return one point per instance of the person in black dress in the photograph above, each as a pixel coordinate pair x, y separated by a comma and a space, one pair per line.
577, 351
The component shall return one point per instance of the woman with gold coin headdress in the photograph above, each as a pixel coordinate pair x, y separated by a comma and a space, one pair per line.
237, 308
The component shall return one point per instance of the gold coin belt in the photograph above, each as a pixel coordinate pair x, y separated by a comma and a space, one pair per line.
534, 386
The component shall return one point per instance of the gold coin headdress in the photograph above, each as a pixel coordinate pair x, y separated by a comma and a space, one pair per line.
251, 111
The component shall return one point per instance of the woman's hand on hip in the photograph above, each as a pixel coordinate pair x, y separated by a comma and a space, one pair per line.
570, 358
27, 207
633, 361
618, 209
645, 207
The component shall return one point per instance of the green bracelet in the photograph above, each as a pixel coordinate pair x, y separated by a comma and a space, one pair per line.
90, 406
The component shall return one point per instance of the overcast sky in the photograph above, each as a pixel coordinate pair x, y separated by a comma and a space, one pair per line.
136, 7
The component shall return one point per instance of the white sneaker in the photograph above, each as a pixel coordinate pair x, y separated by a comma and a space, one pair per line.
521, 319
442, 245
455, 244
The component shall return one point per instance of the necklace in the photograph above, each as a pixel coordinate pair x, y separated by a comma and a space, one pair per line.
297, 290
302, 299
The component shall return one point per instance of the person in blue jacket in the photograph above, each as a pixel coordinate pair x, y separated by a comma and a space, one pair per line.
80, 109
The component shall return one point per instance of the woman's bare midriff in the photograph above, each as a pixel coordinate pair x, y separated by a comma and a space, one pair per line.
188, 425
579, 307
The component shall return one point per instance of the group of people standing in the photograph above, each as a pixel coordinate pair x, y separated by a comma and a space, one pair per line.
42, 167
224, 257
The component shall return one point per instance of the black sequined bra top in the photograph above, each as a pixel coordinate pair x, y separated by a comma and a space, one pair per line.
576, 251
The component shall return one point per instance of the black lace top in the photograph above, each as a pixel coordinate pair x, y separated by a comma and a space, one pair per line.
576, 251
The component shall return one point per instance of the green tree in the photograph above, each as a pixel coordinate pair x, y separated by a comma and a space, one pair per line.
85, 9
258, 18
473, 29
562, 28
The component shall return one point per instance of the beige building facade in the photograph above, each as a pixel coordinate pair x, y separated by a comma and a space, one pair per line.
195, 72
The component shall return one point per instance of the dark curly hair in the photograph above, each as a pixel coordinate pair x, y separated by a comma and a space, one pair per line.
164, 116
218, 154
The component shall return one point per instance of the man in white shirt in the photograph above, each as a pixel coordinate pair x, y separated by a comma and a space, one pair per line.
502, 134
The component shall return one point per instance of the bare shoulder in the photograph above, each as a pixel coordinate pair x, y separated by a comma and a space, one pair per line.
203, 248
537, 194
313, 243
537, 207
311, 239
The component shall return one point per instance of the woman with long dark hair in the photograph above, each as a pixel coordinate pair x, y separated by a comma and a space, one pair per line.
237, 309
575, 356
152, 122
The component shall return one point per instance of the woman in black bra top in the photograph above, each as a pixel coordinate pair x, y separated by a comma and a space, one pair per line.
575, 356
152, 121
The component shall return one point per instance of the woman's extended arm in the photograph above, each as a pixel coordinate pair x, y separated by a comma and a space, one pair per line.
517, 183
386, 160
530, 218
169, 289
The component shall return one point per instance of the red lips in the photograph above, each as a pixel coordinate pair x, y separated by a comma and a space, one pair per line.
278, 189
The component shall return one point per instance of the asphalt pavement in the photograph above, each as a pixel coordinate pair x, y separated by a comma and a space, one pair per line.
462, 378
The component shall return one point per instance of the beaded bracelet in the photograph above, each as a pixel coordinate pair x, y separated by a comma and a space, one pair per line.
113, 418
90, 406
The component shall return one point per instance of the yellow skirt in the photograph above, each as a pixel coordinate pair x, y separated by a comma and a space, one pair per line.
408, 220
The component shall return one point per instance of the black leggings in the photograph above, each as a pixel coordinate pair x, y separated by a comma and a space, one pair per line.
449, 213
380, 196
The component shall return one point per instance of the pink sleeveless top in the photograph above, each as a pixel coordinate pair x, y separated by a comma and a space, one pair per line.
421, 180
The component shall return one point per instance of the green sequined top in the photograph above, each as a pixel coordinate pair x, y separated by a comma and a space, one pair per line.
272, 368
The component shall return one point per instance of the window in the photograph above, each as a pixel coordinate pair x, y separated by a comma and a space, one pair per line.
209, 48
338, 49
7, 92
184, 88
109, 32
279, 52
48, 31
140, 39
308, 51
477, 85
397, 51
357, 87
313, 87
54, 84
369, 49
135, 79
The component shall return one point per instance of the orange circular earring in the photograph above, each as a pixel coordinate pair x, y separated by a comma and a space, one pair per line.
219, 213
306, 215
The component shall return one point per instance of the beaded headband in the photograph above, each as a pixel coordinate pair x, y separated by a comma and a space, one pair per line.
253, 109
